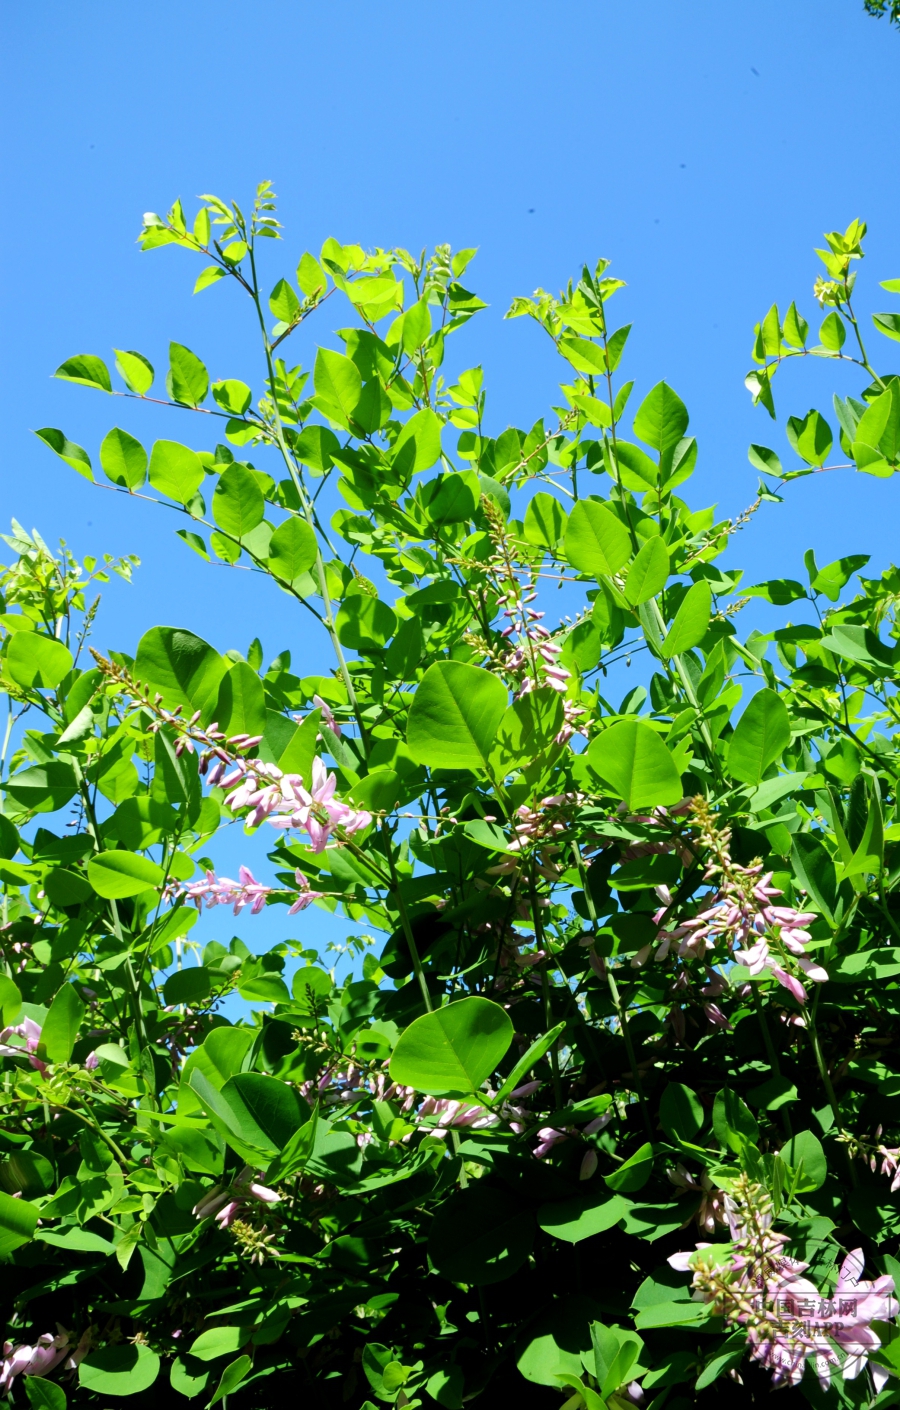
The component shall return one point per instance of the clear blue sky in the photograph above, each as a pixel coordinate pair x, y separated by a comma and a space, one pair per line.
702, 146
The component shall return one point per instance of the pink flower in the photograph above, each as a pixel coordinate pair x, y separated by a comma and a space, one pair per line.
327, 715
31, 1032
225, 1204
38, 1360
306, 896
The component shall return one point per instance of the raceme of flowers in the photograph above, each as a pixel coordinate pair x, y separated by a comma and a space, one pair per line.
788, 1321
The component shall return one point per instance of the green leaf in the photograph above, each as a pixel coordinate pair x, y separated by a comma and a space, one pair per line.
556, 1340
732, 1352
636, 470
596, 542
43, 1394
416, 327
189, 986
292, 550
765, 460
446, 1387
126, 1369
480, 1236
454, 716
188, 1376
18, 1221
538, 1048
529, 726
832, 333
61, 1025
238, 504
583, 355
338, 386
810, 437
861, 644
835, 576
175, 470
453, 1050
418, 445
262, 1111
44, 788
691, 620
210, 275
181, 667
632, 759
232, 395
545, 522
311, 277
67, 450
232, 1377
733, 1122
315, 447
365, 623
575, 1219
123, 458
634, 1172
37, 662
136, 372
283, 302
814, 869
680, 1112
451, 498
886, 323
661, 419
188, 379
87, 370
10, 1001
241, 705
648, 573
761, 735
115, 875
219, 1341
806, 1149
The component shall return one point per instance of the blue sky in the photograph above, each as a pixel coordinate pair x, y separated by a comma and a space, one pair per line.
703, 147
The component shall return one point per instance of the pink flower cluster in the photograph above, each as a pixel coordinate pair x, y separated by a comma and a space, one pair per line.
226, 1203
247, 891
41, 1356
284, 801
740, 913
890, 1162
787, 1320
31, 1032
455, 1114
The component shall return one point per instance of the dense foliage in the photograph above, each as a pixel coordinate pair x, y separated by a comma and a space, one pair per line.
638, 981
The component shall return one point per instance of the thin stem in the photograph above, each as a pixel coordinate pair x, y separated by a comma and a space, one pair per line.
621, 1013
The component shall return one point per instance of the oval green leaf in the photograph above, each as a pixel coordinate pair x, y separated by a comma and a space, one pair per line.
175, 470
761, 735
292, 550
648, 573
454, 716
632, 759
126, 1369
241, 703
596, 541
453, 1050
238, 504
115, 875
37, 662
691, 620
61, 1024
123, 458
181, 667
